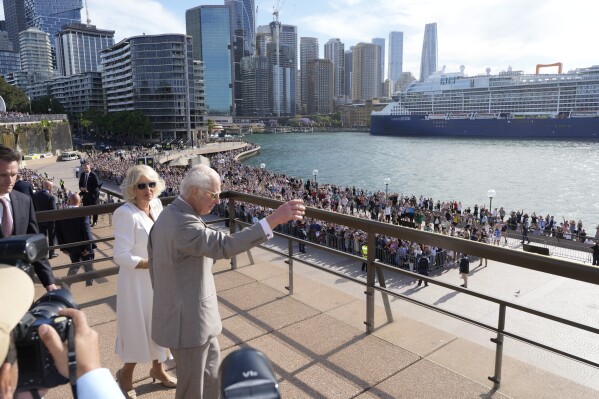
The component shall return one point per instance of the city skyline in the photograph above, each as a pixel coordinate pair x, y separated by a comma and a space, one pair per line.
477, 35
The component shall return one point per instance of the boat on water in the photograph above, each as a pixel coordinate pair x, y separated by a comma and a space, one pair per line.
511, 104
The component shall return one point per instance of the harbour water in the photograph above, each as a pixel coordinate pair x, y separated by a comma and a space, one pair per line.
556, 177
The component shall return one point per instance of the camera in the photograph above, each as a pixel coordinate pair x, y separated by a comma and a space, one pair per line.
22, 250
247, 373
36, 365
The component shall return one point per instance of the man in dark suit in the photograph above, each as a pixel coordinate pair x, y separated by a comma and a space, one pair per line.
23, 186
18, 214
90, 189
44, 200
76, 230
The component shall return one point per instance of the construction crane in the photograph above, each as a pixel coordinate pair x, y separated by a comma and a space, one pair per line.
87, 20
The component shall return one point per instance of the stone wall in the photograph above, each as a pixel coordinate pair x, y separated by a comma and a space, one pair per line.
37, 138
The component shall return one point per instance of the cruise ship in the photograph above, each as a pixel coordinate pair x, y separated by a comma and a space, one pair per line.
511, 104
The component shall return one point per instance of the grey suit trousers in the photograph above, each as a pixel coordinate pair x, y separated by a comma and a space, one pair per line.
197, 371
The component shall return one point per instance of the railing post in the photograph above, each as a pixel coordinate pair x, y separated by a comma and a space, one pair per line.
109, 200
290, 262
381, 277
499, 348
232, 228
371, 245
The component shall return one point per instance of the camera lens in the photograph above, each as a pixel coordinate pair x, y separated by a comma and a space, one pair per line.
51, 302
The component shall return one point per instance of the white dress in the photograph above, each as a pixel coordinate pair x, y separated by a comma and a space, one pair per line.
134, 290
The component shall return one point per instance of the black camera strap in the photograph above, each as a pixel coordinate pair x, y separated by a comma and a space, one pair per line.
72, 361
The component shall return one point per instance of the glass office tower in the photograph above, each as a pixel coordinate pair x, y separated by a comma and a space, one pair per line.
210, 29
243, 17
78, 48
14, 14
395, 56
428, 63
334, 50
50, 15
379, 41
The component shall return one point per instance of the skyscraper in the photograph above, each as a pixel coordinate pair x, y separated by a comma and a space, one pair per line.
379, 41
243, 16
366, 76
50, 15
9, 60
153, 74
428, 62
288, 38
283, 67
349, 67
334, 51
308, 52
395, 55
78, 48
243, 26
320, 86
36, 54
210, 29
14, 14
255, 86
263, 37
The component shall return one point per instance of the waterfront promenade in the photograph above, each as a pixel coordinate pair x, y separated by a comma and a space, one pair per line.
316, 339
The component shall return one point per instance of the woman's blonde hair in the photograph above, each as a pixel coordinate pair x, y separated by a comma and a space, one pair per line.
134, 174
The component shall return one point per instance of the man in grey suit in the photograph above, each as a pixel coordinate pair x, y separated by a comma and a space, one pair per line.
181, 250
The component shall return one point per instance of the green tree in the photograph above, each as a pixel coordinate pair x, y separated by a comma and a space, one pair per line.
85, 123
47, 104
139, 125
96, 117
210, 123
16, 100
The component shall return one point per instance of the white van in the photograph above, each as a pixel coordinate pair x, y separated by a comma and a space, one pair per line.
69, 155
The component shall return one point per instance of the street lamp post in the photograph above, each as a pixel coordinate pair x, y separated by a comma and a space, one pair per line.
387, 182
491, 193
262, 166
315, 173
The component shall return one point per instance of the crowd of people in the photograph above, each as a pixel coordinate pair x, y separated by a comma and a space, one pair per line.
449, 217
444, 217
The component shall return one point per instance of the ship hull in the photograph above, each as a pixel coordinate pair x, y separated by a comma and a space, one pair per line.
524, 128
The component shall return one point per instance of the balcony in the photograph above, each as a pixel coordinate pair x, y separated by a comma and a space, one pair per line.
331, 330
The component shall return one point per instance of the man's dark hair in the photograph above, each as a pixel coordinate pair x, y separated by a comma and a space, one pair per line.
8, 154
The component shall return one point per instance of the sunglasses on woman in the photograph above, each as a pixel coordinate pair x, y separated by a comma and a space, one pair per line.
142, 186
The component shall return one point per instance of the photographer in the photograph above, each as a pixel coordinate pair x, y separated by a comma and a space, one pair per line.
16, 295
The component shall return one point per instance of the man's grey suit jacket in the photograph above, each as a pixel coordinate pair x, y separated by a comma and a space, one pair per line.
181, 252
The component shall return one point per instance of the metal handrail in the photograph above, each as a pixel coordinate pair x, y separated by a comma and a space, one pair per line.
559, 267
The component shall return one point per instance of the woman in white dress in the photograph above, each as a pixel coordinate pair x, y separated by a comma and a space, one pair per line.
132, 223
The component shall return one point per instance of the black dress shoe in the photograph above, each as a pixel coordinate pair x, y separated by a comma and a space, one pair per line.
51, 256
94, 224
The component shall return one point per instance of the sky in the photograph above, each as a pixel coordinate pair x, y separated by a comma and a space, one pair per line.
474, 33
